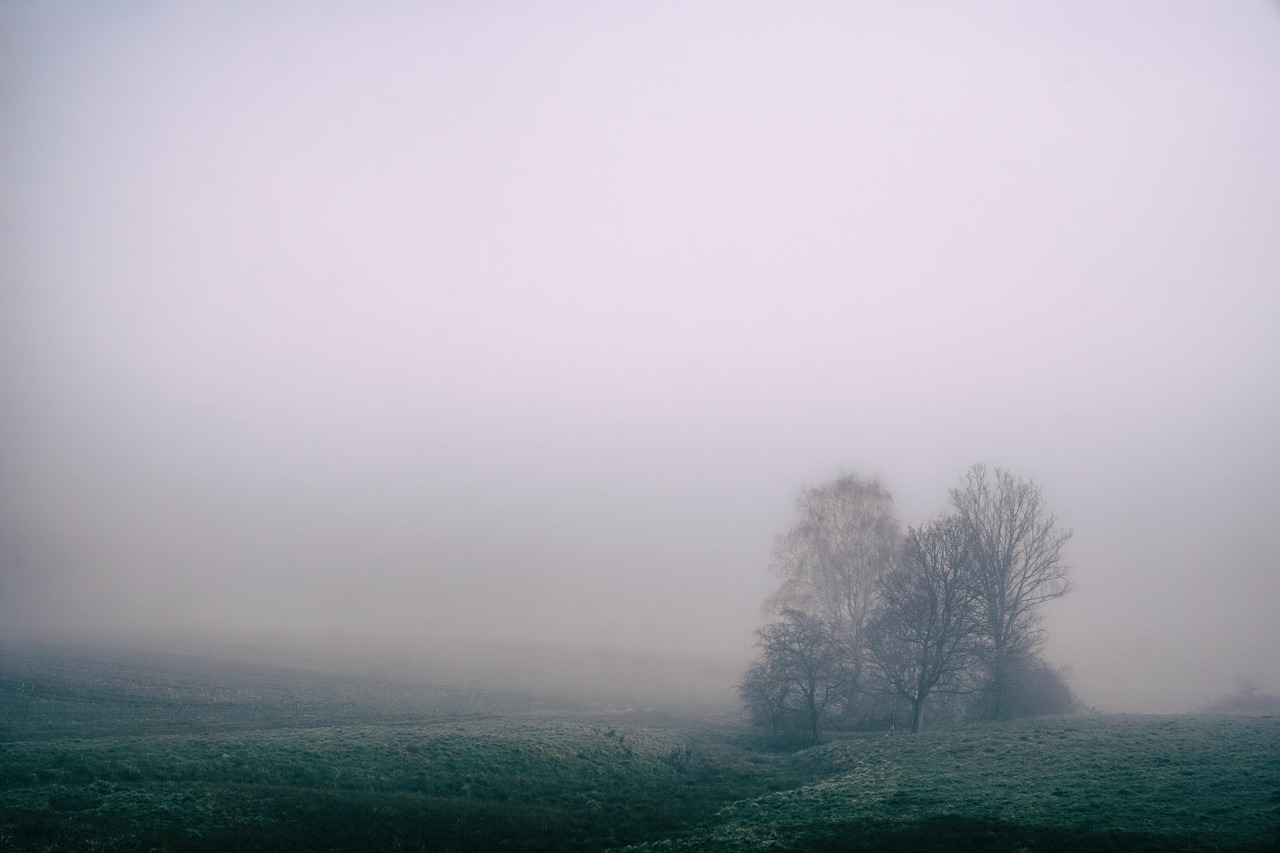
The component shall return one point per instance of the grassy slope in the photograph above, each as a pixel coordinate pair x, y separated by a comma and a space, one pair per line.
545, 781
119, 750
115, 750
1058, 783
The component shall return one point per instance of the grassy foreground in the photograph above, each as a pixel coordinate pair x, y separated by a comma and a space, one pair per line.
1065, 783
124, 751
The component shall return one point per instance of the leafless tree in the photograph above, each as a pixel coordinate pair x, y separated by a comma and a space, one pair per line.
831, 562
766, 696
1018, 566
802, 672
925, 634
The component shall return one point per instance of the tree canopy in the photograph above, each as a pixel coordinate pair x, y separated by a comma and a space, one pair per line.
845, 539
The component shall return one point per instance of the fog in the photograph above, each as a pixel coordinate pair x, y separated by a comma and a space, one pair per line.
528, 322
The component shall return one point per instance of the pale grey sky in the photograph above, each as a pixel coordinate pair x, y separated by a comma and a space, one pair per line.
525, 319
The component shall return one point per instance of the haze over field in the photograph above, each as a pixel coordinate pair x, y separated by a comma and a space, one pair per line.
531, 320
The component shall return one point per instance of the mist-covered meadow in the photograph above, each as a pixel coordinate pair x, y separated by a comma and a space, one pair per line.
127, 750
732, 425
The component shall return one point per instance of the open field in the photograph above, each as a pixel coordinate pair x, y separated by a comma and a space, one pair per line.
121, 750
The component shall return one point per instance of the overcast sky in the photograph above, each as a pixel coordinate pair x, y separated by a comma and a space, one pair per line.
532, 319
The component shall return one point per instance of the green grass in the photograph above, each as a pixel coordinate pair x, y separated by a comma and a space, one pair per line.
1092, 782
463, 783
117, 751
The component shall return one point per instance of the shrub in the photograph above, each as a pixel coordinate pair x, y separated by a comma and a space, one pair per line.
1035, 688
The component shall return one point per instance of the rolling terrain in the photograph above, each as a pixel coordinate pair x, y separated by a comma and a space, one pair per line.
117, 749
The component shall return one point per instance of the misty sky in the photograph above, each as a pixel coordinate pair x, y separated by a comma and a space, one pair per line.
532, 319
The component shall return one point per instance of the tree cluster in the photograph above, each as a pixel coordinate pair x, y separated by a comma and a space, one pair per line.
1247, 699
870, 619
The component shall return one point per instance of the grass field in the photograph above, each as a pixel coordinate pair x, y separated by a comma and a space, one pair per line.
121, 750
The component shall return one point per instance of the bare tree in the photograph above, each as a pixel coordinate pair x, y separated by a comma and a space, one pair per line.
925, 633
802, 672
1018, 566
766, 696
831, 561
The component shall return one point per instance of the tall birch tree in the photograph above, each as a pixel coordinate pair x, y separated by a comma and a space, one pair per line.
845, 539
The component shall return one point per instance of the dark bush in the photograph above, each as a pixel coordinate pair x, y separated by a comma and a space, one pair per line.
1035, 688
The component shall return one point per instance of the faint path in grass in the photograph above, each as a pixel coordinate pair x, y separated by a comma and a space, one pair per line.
1190, 781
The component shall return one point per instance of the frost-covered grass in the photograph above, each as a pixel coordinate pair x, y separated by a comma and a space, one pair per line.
485, 758
142, 756
470, 783
1090, 782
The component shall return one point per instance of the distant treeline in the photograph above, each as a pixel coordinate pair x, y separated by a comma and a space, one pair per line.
1247, 699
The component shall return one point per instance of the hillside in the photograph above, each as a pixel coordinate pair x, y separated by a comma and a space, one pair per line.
1090, 782
118, 749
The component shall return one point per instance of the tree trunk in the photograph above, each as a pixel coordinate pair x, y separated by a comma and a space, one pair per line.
999, 686
999, 660
917, 714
